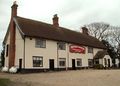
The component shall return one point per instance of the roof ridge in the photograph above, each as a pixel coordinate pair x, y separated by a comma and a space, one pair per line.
48, 24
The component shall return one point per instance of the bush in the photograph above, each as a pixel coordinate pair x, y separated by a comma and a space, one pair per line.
98, 66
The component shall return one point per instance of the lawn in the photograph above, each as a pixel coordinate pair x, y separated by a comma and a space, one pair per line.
4, 82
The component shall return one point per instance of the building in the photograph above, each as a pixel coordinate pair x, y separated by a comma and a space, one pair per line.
103, 58
37, 46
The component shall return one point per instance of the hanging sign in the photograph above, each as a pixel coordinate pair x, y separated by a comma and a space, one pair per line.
77, 49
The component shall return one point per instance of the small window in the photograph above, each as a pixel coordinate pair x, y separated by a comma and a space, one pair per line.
40, 43
90, 62
96, 61
62, 62
105, 61
79, 62
37, 61
7, 50
90, 50
61, 45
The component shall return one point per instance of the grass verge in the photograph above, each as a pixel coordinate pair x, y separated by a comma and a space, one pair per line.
4, 82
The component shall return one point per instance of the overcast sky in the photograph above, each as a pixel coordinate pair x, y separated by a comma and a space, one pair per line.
72, 13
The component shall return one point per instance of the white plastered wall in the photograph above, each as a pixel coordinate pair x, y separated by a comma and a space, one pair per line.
50, 52
19, 48
102, 61
7, 43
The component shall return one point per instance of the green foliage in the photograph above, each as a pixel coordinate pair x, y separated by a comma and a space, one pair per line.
2, 56
4, 82
111, 51
98, 66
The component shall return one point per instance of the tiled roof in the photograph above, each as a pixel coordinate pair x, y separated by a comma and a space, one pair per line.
100, 54
39, 29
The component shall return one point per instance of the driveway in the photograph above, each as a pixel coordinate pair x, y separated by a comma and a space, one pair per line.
67, 78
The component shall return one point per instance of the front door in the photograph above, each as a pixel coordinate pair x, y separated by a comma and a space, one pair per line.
51, 64
73, 64
20, 64
108, 62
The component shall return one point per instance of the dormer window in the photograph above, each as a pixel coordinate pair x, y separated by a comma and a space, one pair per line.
40, 43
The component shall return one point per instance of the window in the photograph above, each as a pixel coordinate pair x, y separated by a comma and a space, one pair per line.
61, 45
96, 61
62, 62
40, 43
105, 61
90, 50
79, 62
7, 47
90, 62
37, 61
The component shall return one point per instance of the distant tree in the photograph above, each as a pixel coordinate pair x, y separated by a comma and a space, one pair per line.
2, 55
116, 37
98, 29
110, 35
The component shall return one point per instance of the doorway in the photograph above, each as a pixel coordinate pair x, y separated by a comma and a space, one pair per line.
51, 64
20, 64
108, 62
73, 64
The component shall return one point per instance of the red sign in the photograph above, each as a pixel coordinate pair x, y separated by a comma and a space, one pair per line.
77, 49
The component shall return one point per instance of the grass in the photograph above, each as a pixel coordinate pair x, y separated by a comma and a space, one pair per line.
4, 82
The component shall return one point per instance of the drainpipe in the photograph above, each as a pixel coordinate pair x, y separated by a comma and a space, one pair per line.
57, 57
24, 53
67, 55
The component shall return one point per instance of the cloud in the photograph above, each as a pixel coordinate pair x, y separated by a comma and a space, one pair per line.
72, 13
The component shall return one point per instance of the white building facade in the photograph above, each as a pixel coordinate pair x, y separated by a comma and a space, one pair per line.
33, 45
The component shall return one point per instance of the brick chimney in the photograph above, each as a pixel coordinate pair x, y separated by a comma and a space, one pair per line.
55, 20
85, 30
12, 35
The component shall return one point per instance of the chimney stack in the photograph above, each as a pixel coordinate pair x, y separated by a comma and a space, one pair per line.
12, 30
56, 20
14, 9
85, 30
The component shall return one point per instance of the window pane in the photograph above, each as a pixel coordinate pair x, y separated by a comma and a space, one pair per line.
62, 62
7, 50
90, 50
40, 43
37, 61
61, 46
79, 62
90, 62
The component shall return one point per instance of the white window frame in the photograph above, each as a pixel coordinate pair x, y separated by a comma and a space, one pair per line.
90, 49
40, 43
79, 60
62, 60
61, 46
38, 58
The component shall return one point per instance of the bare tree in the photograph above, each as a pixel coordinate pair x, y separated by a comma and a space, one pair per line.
104, 31
98, 29
116, 37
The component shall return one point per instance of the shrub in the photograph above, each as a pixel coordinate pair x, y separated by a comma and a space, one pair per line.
98, 66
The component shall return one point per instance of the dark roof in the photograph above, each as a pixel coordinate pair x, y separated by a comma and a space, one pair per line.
100, 54
39, 29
